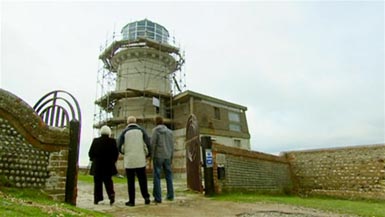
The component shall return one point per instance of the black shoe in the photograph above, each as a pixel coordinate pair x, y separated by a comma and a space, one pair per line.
112, 201
130, 204
97, 201
170, 199
147, 201
156, 201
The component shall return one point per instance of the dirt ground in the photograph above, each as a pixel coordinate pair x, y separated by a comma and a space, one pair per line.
188, 204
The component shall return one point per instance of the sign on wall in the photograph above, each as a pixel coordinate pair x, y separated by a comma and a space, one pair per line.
209, 158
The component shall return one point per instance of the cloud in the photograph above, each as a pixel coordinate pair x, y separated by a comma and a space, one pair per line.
310, 73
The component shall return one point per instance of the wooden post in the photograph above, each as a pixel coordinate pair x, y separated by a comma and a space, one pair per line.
208, 165
72, 168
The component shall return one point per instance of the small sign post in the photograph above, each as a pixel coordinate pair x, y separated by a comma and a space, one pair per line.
208, 162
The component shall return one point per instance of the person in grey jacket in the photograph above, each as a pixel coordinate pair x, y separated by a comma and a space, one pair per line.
134, 144
162, 143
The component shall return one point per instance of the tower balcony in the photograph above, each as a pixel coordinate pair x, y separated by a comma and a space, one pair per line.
116, 121
108, 101
141, 42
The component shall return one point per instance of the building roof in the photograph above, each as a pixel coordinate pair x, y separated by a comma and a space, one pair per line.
145, 28
184, 96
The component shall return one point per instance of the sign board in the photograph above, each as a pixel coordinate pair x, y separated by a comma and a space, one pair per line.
155, 102
220, 158
209, 158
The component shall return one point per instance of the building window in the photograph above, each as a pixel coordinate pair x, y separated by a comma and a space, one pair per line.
119, 111
217, 113
237, 143
234, 122
234, 117
145, 28
235, 127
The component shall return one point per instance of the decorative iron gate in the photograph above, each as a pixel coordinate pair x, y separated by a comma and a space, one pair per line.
56, 109
193, 156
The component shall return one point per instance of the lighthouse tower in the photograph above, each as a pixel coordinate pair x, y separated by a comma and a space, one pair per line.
143, 65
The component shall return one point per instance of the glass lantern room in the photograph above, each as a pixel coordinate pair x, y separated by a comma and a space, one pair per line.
147, 29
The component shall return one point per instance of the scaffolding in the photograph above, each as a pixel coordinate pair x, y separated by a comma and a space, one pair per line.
109, 80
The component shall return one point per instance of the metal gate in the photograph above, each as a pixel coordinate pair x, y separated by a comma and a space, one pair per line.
193, 156
60, 109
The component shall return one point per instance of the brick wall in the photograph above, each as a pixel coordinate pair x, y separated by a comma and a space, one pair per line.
351, 172
250, 171
32, 155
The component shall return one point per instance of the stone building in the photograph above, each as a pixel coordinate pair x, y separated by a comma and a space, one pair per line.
224, 121
143, 66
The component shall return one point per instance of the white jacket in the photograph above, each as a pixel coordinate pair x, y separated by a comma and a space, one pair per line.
134, 149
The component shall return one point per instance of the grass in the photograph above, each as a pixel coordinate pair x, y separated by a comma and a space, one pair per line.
31, 202
15, 202
90, 179
122, 180
356, 207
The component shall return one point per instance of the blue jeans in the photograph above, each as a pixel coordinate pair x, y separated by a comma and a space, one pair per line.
158, 165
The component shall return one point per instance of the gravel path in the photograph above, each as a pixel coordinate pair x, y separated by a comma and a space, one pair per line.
189, 204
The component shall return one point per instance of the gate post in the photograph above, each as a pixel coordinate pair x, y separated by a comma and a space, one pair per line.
208, 165
58, 111
193, 157
73, 157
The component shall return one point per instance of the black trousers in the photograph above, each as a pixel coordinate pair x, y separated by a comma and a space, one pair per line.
98, 187
142, 178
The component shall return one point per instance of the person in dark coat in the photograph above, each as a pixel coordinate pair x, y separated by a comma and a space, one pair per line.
104, 154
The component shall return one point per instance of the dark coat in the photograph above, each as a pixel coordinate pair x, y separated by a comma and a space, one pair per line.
104, 154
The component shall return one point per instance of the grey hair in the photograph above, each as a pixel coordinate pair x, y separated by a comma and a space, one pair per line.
131, 119
105, 130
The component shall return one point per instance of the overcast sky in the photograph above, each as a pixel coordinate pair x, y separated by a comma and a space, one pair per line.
310, 73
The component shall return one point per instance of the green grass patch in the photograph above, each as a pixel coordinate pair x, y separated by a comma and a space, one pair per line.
85, 178
180, 190
90, 179
32, 202
356, 207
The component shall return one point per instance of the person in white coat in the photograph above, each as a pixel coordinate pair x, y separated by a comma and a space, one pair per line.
134, 144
